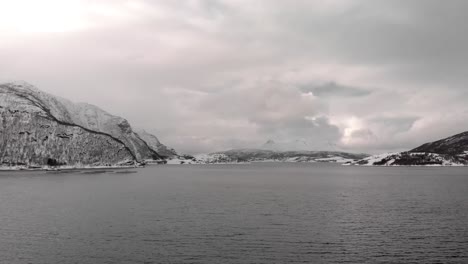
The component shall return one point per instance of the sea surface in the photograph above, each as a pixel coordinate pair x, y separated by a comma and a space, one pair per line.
251, 213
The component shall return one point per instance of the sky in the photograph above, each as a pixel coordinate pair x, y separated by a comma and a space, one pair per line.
207, 75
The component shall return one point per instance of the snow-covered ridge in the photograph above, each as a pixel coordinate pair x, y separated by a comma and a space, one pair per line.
454, 145
261, 155
241, 156
411, 159
451, 151
82, 114
37, 128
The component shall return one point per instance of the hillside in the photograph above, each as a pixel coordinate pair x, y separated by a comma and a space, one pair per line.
38, 129
451, 151
260, 155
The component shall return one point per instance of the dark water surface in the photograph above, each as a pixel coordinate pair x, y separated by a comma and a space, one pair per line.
258, 213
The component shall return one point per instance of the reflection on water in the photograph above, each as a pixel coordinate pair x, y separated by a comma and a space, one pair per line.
126, 172
257, 213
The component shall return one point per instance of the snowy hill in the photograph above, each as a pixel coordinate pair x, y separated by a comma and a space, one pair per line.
451, 151
262, 155
454, 145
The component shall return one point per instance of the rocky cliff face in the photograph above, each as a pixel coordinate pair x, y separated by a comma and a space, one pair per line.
84, 115
96, 119
37, 128
32, 139
154, 143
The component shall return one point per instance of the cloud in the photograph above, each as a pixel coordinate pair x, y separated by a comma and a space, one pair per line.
379, 132
206, 75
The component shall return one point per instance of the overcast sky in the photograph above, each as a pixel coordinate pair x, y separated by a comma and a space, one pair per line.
207, 75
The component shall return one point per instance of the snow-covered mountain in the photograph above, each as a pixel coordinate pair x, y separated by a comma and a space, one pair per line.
259, 155
455, 145
451, 151
285, 151
37, 128
270, 145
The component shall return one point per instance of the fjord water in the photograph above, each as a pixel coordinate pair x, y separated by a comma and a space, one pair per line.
252, 213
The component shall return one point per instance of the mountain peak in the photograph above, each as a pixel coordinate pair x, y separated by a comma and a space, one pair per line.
270, 144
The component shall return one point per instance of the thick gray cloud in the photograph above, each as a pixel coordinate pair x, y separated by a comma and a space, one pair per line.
207, 75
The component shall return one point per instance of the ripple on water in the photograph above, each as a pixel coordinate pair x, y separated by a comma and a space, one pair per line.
258, 213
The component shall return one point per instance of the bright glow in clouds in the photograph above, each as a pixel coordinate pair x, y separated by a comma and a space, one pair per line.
348, 126
43, 16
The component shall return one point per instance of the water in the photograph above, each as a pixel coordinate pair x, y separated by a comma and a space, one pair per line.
258, 213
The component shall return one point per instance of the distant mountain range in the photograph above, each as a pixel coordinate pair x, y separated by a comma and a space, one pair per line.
262, 155
38, 129
451, 151
296, 150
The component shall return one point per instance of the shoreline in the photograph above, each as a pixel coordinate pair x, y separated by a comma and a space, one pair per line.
67, 168
123, 167
317, 162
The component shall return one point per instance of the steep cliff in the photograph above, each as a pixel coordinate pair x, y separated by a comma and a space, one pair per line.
84, 115
38, 128
33, 139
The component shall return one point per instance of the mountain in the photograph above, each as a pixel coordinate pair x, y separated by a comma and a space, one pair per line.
154, 143
451, 151
284, 151
270, 145
455, 145
37, 129
257, 155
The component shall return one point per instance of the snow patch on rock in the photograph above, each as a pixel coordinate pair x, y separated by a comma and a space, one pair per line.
410, 159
